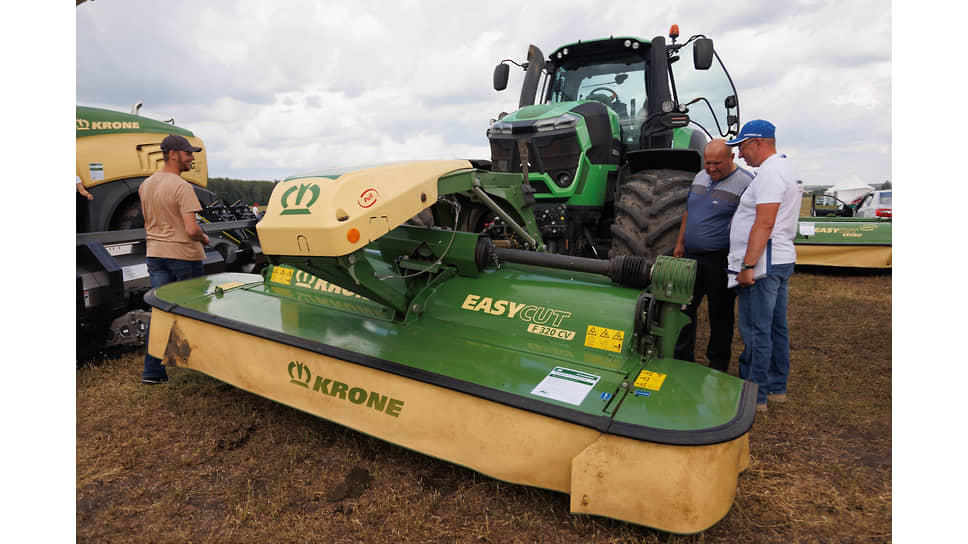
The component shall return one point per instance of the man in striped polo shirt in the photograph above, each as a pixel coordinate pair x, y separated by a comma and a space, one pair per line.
704, 236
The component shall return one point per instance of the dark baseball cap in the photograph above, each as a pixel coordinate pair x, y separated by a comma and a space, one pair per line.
174, 142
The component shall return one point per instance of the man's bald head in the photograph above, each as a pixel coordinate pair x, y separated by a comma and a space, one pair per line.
718, 160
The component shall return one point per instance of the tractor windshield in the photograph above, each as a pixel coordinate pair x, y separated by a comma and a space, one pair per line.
712, 88
619, 84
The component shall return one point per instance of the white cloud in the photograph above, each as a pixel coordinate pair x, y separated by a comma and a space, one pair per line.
280, 88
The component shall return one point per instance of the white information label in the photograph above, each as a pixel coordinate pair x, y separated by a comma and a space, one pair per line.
566, 385
96, 169
119, 249
134, 272
807, 229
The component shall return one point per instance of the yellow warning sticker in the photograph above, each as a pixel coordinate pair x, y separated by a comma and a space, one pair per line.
281, 275
650, 380
604, 338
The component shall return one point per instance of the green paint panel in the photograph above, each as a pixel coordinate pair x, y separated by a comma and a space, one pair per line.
689, 395
843, 231
506, 330
96, 121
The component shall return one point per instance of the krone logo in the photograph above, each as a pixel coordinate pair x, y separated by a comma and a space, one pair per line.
368, 198
298, 378
301, 191
83, 124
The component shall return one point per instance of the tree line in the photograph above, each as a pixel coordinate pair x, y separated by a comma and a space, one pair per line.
248, 192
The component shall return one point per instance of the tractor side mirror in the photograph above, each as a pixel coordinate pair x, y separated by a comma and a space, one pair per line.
501, 72
702, 53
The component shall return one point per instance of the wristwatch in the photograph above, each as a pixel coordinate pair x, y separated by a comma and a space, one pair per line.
748, 266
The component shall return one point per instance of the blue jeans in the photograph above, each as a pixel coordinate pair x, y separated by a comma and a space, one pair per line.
762, 322
160, 272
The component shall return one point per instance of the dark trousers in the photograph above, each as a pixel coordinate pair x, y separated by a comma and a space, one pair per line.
710, 283
163, 271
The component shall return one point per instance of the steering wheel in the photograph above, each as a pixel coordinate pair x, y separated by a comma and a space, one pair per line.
611, 99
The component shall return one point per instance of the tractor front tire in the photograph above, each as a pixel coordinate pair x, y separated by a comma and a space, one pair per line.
648, 213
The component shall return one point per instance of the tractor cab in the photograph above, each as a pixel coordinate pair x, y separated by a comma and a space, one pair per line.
616, 83
653, 88
606, 127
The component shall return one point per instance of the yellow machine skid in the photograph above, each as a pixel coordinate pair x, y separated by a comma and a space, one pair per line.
844, 255
680, 489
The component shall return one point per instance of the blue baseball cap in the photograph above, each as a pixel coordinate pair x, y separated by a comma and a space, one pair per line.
756, 128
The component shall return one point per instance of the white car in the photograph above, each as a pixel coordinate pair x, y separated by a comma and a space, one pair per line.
876, 204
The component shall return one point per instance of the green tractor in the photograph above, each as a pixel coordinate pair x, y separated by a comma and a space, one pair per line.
610, 148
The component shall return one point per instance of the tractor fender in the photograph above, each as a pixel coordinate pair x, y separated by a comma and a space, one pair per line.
686, 160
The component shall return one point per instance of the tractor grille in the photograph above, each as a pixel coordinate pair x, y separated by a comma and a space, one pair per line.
556, 155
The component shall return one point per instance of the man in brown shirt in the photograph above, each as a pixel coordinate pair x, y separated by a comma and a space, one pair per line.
175, 242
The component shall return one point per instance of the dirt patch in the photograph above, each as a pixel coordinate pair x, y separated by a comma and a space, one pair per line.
200, 461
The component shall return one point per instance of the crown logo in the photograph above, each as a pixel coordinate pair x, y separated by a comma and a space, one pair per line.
83, 124
301, 191
297, 378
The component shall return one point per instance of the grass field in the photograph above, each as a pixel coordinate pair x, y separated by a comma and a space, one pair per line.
200, 461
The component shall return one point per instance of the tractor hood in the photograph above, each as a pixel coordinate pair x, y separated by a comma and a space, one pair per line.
552, 117
540, 111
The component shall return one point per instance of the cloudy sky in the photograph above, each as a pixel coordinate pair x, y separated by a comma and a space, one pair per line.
279, 88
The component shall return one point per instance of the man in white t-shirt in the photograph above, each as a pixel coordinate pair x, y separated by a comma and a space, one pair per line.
761, 255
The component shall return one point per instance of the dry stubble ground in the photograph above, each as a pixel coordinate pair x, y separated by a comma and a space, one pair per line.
200, 461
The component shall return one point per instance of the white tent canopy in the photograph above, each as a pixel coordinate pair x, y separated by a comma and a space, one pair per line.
849, 189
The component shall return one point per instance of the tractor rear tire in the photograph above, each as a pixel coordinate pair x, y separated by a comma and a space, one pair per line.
648, 213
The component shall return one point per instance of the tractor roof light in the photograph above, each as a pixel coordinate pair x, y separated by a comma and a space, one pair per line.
674, 32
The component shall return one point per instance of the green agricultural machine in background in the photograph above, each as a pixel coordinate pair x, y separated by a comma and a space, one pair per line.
610, 148
115, 152
829, 234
